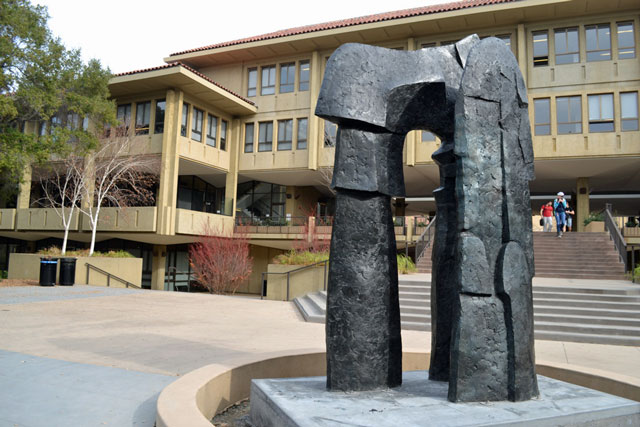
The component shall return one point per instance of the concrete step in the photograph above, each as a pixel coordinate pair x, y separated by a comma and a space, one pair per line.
415, 326
610, 290
408, 309
309, 309
540, 308
586, 320
581, 276
587, 338
629, 331
585, 296
608, 305
413, 302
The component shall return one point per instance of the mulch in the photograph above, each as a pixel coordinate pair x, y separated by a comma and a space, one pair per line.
7, 283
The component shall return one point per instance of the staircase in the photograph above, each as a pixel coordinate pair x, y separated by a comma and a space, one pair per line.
573, 256
591, 312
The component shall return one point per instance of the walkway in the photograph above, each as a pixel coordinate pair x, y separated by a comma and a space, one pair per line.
96, 356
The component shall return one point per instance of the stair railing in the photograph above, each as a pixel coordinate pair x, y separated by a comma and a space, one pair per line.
109, 277
425, 239
288, 273
615, 234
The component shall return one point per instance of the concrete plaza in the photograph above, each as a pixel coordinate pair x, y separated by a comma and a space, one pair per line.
95, 356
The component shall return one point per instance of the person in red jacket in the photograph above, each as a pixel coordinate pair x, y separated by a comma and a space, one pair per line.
546, 211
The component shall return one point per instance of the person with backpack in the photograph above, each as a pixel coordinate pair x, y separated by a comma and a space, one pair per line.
560, 208
569, 213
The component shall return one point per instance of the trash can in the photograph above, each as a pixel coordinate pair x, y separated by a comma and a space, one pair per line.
48, 267
67, 271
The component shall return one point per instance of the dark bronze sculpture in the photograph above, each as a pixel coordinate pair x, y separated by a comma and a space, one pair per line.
472, 96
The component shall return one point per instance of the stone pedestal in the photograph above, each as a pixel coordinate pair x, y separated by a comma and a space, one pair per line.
419, 402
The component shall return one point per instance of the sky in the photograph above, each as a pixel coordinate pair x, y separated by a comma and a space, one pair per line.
127, 35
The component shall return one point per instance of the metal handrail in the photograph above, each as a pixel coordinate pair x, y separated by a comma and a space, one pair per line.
424, 241
288, 273
109, 277
615, 234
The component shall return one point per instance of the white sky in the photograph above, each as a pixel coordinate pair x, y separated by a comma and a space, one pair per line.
128, 35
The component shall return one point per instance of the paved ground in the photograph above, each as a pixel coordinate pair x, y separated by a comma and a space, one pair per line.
92, 356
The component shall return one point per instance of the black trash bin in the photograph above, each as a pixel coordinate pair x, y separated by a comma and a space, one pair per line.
48, 267
67, 271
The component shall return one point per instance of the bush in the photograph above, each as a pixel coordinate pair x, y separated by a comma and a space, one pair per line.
4, 274
55, 251
295, 257
405, 265
594, 216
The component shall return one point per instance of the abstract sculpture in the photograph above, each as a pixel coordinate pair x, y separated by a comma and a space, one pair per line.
472, 96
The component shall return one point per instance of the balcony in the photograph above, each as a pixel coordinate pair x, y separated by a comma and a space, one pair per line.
131, 219
43, 219
7, 219
196, 223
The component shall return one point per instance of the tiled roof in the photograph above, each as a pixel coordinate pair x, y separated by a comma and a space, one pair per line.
380, 17
186, 67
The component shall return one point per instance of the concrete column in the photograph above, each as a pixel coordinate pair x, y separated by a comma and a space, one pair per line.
231, 185
315, 137
581, 203
158, 265
167, 193
521, 43
24, 189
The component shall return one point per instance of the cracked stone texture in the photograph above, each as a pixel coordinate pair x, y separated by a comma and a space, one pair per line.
364, 348
492, 349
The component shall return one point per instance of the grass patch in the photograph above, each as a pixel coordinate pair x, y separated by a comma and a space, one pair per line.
301, 258
405, 265
55, 251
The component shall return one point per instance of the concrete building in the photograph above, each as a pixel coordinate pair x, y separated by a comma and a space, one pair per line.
234, 126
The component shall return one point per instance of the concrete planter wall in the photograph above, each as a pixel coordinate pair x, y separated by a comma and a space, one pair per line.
27, 266
300, 282
595, 227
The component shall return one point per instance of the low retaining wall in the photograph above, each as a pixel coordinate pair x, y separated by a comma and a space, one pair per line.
195, 398
300, 283
27, 267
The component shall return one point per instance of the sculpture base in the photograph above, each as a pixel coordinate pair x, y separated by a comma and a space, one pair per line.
419, 402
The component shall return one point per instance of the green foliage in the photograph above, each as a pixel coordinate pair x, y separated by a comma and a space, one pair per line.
4, 274
405, 265
55, 251
41, 80
295, 257
594, 216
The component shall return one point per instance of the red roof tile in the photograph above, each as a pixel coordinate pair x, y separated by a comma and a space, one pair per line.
380, 17
186, 67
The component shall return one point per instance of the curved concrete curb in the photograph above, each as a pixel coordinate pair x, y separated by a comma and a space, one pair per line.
197, 396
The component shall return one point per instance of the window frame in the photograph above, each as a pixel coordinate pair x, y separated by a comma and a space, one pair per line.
541, 124
142, 125
211, 139
540, 60
330, 139
287, 77
223, 134
590, 52
628, 119
197, 119
271, 77
249, 134
633, 39
302, 143
304, 76
599, 121
125, 122
560, 128
158, 126
184, 121
285, 135
252, 90
573, 54
265, 139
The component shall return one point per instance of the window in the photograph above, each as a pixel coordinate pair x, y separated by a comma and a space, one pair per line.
196, 125
161, 106
598, 42
506, 38
303, 78
601, 113
143, 117
285, 134
567, 47
248, 137
212, 130
330, 134
252, 82
223, 135
540, 48
427, 136
542, 116
73, 121
123, 114
629, 111
569, 114
302, 134
268, 86
265, 136
185, 119
626, 41
287, 77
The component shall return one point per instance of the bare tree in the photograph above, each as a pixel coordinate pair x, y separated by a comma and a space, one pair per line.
62, 188
117, 174
326, 177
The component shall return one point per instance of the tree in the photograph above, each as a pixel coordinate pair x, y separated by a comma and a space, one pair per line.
220, 263
116, 174
62, 189
42, 82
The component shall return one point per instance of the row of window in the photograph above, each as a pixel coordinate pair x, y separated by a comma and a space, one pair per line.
216, 129
287, 73
601, 113
598, 44
143, 116
71, 121
284, 135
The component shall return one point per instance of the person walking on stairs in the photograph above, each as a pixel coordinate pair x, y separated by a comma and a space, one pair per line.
560, 208
546, 212
569, 213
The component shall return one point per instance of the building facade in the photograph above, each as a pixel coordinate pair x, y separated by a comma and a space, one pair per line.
239, 144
